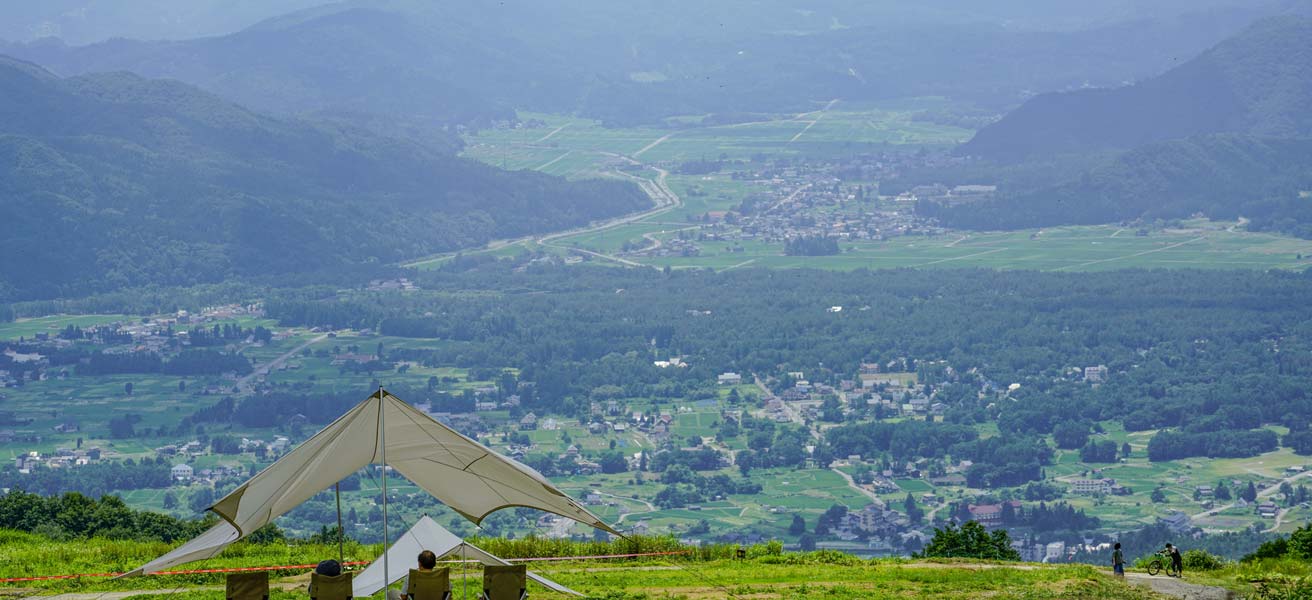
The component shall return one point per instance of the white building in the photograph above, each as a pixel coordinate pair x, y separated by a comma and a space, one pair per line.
181, 473
1089, 487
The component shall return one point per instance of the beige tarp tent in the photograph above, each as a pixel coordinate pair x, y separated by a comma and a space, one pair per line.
465, 475
428, 535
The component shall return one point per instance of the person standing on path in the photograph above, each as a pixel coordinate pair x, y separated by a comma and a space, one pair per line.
1118, 561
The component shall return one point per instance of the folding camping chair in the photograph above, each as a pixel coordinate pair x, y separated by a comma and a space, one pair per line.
429, 585
330, 587
248, 586
505, 583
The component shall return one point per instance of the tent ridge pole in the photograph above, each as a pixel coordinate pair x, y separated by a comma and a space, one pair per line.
382, 432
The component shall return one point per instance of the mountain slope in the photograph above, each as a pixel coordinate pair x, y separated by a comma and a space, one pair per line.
1259, 82
87, 21
359, 60
1220, 176
110, 180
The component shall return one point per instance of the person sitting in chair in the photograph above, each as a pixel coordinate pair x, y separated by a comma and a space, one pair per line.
427, 563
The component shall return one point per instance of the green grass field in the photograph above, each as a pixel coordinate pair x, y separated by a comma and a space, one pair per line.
765, 575
53, 324
575, 147
1092, 248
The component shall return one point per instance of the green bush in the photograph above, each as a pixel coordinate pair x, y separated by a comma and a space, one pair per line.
1201, 560
1142, 561
819, 557
1298, 589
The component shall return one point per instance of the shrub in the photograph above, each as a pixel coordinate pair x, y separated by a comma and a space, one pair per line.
1201, 560
818, 557
1298, 589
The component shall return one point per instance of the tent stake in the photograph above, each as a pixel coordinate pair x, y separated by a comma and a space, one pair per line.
382, 428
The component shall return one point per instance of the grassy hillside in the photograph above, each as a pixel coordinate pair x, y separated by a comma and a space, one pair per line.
766, 574
110, 180
1257, 83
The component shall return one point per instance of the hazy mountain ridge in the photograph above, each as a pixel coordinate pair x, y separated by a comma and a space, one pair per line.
86, 21
1259, 82
1221, 176
112, 179
472, 63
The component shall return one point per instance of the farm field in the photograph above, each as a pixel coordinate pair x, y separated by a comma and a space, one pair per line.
577, 148
53, 324
1073, 249
1064, 249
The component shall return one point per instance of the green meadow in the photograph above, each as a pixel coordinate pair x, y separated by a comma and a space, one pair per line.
766, 574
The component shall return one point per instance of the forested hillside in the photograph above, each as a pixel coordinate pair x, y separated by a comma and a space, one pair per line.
111, 180
1220, 176
1259, 82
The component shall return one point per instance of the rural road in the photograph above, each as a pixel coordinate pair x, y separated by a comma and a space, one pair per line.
1265, 492
266, 368
651, 508
659, 191
852, 484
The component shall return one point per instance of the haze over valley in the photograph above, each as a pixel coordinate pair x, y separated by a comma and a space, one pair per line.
855, 276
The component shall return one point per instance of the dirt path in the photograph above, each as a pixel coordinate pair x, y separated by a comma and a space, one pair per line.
652, 145
1136, 254
1175, 588
943, 260
554, 160
553, 133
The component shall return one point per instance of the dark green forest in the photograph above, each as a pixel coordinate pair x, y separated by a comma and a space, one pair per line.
112, 180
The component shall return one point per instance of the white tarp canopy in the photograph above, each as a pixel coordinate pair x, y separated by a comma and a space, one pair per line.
428, 535
462, 473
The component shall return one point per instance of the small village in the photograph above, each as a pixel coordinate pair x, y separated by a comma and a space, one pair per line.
814, 201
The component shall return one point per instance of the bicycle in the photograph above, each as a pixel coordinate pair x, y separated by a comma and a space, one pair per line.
1163, 560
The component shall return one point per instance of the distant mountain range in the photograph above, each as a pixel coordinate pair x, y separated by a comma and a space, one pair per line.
436, 64
112, 180
88, 21
1227, 134
1256, 83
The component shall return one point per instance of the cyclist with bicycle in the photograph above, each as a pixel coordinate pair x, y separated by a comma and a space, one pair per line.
1177, 563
